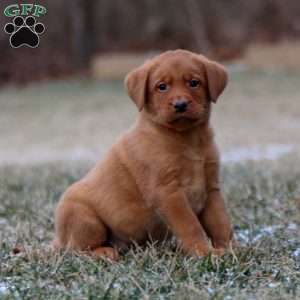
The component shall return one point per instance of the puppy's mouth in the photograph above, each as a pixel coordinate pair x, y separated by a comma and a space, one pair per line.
183, 119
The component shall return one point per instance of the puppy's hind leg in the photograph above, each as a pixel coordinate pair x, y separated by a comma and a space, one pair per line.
78, 228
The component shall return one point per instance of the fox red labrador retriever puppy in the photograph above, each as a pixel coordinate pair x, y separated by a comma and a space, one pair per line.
162, 175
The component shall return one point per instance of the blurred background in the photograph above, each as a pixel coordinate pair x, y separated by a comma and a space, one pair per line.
65, 99
78, 31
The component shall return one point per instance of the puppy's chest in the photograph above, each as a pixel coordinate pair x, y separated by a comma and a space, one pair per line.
192, 180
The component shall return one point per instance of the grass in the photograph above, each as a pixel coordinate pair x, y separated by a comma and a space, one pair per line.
262, 200
51, 134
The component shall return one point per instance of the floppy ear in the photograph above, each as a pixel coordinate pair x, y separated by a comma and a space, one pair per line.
136, 85
217, 78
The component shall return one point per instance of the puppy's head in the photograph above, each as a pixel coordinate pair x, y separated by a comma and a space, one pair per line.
176, 88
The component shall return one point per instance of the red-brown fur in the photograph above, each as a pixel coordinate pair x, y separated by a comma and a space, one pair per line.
162, 175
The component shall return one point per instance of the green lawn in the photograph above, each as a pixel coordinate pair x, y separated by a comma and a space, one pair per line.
50, 135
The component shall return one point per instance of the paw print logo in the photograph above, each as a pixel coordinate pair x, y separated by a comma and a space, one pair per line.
24, 32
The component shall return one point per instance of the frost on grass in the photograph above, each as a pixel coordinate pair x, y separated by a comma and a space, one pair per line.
255, 235
260, 202
3, 288
270, 152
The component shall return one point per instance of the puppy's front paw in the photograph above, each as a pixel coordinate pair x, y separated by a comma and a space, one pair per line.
218, 251
198, 250
105, 253
202, 250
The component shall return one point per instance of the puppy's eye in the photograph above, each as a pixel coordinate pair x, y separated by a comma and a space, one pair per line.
194, 83
162, 87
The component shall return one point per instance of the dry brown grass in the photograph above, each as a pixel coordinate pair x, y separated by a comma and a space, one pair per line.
281, 56
116, 66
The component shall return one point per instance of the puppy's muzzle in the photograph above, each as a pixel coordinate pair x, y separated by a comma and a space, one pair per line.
180, 105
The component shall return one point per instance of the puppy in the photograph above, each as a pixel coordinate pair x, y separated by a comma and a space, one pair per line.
162, 176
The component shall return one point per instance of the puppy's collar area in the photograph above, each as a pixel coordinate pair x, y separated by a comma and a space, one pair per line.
145, 121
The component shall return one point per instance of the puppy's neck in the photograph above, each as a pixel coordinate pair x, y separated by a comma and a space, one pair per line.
195, 134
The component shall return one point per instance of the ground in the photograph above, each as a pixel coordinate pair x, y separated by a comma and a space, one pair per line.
52, 133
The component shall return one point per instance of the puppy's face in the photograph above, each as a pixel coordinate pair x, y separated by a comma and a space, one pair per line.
176, 92
176, 88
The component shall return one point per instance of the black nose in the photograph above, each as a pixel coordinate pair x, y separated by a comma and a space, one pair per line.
180, 106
